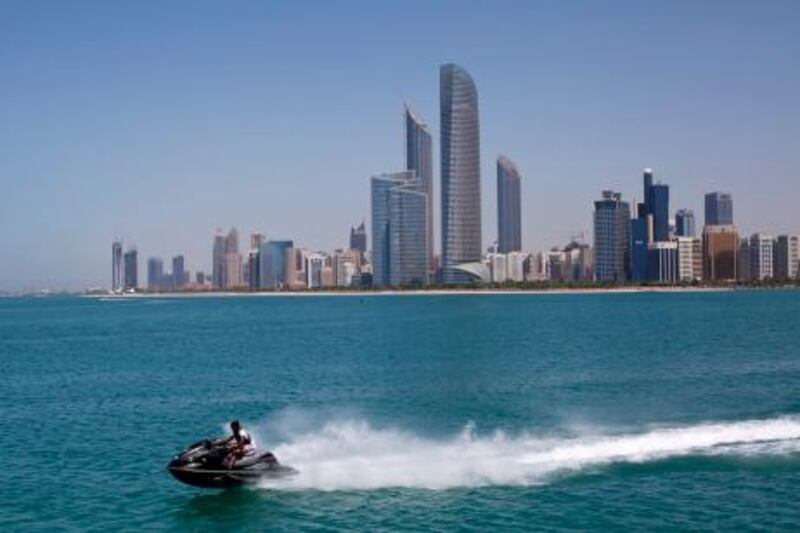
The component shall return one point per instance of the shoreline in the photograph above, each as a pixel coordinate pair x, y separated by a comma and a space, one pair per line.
411, 292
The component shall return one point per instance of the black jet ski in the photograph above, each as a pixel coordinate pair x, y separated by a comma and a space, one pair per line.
203, 465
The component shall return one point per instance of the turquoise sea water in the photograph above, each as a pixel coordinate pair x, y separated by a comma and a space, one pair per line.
651, 411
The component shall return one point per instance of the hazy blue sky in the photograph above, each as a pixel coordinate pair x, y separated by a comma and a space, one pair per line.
162, 121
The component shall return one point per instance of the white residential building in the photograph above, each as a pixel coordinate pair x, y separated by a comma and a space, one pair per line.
761, 256
690, 258
515, 266
315, 262
497, 267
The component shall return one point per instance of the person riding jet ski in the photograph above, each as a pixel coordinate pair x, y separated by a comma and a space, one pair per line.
239, 444
227, 462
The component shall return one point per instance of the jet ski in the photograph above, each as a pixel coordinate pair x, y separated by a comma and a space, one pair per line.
203, 465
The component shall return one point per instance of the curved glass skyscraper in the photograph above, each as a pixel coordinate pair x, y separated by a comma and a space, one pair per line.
461, 176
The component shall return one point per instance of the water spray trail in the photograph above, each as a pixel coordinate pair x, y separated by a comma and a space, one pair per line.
354, 455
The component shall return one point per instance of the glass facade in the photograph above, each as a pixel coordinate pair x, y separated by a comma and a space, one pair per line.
684, 223
662, 262
117, 269
419, 158
131, 270
720, 253
461, 179
180, 276
155, 273
639, 253
786, 257
658, 206
719, 209
273, 258
509, 223
399, 229
358, 238
612, 238
218, 261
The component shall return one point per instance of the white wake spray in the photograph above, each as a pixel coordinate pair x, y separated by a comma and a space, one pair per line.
354, 455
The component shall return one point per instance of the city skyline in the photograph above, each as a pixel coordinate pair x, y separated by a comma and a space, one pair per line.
170, 165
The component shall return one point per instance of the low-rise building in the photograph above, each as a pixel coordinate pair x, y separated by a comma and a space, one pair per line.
497, 267
662, 262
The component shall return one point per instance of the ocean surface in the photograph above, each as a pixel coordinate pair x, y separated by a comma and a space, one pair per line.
477, 412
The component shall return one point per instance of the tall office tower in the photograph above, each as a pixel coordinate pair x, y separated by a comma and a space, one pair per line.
274, 257
461, 174
641, 236
647, 178
180, 277
232, 242
612, 238
399, 230
509, 215
662, 262
117, 270
253, 268
200, 278
719, 209
218, 261
684, 223
131, 270
761, 256
419, 158
155, 273
232, 265
358, 239
720, 252
744, 265
256, 240
656, 204
786, 257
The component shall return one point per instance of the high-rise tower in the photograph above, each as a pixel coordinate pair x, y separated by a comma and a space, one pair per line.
117, 270
461, 176
612, 238
232, 269
509, 223
419, 158
719, 209
656, 204
684, 223
131, 270
399, 227
358, 239
218, 261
